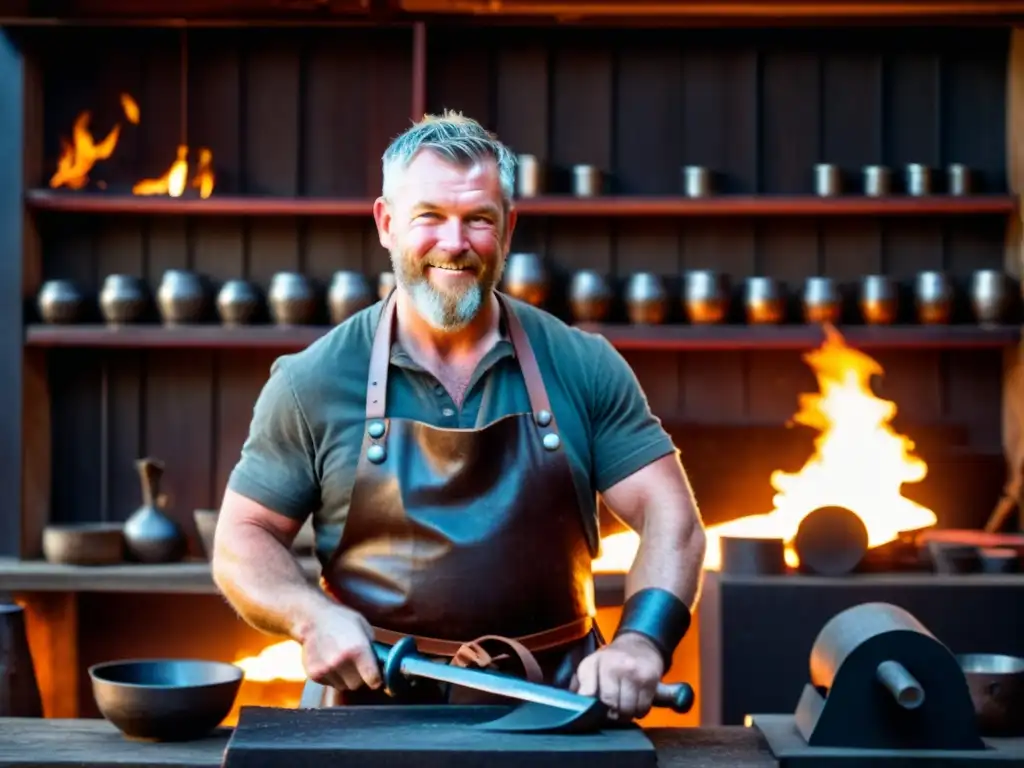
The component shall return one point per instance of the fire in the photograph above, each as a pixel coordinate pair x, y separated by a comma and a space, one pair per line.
80, 155
280, 661
859, 463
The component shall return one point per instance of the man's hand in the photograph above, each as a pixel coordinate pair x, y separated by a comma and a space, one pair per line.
623, 674
336, 649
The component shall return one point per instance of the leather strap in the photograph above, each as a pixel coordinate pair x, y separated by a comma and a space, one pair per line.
527, 361
476, 654
380, 361
538, 641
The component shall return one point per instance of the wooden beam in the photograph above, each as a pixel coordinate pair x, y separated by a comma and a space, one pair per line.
24, 430
419, 70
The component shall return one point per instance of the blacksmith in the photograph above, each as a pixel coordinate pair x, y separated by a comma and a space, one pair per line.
450, 443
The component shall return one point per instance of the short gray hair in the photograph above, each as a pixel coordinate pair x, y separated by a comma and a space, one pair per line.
455, 137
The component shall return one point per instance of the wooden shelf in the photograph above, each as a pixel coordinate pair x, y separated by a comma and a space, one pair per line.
189, 577
624, 337
726, 205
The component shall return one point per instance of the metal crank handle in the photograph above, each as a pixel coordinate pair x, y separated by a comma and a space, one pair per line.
678, 697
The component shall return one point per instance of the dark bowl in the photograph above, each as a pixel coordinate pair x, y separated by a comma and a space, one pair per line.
165, 699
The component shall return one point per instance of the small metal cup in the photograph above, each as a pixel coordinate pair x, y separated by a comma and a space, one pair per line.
989, 295
876, 181
528, 176
878, 300
764, 300
958, 179
590, 296
821, 300
705, 296
933, 295
646, 299
696, 181
586, 180
827, 181
918, 179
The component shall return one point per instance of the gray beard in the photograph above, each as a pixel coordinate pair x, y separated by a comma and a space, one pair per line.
443, 311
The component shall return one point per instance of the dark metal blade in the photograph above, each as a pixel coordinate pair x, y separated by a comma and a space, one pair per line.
530, 717
498, 684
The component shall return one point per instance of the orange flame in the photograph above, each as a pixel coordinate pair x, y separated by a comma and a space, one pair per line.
280, 661
171, 183
859, 463
79, 157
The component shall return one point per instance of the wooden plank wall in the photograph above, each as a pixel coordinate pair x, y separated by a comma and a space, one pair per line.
308, 112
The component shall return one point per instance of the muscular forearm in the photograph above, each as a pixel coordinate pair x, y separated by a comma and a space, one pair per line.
263, 582
672, 545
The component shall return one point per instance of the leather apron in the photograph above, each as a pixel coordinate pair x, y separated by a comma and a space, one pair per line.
470, 540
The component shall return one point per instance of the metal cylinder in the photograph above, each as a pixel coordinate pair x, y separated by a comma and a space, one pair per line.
903, 686
696, 181
989, 295
764, 300
933, 294
958, 179
827, 182
586, 180
878, 300
822, 303
646, 299
918, 179
528, 176
705, 296
876, 180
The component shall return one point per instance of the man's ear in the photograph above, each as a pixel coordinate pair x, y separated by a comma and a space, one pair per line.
383, 219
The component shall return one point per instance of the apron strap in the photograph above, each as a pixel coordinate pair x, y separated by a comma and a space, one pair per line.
476, 654
380, 360
536, 642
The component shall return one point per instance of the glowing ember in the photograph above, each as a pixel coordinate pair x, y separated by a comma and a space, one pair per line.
859, 462
78, 157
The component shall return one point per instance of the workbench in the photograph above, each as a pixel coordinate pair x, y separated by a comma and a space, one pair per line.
97, 744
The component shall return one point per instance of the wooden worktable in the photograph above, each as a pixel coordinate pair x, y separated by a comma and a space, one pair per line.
96, 744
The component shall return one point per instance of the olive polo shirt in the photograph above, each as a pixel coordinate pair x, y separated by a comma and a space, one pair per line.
303, 446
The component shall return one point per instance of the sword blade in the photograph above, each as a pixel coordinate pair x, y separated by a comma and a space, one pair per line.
498, 684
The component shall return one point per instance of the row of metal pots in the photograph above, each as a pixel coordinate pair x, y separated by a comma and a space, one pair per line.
707, 295
184, 297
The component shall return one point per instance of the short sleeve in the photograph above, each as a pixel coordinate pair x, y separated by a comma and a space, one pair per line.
627, 436
277, 465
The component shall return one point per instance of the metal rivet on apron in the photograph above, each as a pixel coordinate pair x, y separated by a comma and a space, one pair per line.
376, 429
376, 453
543, 418
551, 441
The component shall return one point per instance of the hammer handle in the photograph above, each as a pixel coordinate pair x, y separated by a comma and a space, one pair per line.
678, 697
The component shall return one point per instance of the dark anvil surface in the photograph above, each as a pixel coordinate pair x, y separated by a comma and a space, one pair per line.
97, 744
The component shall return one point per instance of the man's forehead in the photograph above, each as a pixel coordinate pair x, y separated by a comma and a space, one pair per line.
429, 169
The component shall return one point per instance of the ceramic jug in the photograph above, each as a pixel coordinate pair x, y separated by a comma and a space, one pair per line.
150, 535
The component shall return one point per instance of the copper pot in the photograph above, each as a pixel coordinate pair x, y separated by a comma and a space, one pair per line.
705, 296
764, 301
526, 278
181, 297
878, 301
349, 293
933, 293
646, 299
292, 300
590, 296
821, 300
238, 301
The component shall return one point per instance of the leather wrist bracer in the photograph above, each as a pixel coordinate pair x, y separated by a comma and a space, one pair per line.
659, 616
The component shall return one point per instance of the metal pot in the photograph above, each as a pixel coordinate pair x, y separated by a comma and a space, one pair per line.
349, 293
989, 295
646, 299
181, 297
123, 299
291, 297
996, 683
878, 300
705, 296
526, 278
821, 301
764, 301
590, 296
238, 301
933, 293
60, 302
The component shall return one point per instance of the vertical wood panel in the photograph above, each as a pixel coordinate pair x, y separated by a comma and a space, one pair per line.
790, 121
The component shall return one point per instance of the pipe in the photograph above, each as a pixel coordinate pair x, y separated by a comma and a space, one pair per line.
903, 686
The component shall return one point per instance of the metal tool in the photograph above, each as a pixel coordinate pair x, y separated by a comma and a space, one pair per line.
545, 709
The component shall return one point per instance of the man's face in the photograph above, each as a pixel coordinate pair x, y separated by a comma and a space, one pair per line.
448, 237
